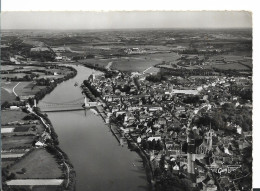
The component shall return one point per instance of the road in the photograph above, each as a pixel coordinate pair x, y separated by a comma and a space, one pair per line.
109, 65
147, 69
15, 87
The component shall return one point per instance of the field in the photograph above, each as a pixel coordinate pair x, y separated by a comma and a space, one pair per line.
9, 67
133, 62
22, 128
27, 88
10, 116
7, 91
38, 164
8, 86
22, 69
38, 188
13, 75
11, 155
7, 96
29, 182
52, 76
17, 142
233, 66
7, 130
5, 162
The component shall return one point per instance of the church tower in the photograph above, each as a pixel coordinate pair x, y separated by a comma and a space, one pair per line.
209, 135
191, 152
93, 75
34, 103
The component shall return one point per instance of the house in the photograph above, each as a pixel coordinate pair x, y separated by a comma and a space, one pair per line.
139, 139
169, 145
210, 187
158, 138
58, 58
39, 144
239, 129
243, 144
175, 168
162, 121
14, 107
180, 109
247, 134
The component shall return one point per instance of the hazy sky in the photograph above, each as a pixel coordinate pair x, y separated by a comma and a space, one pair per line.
117, 20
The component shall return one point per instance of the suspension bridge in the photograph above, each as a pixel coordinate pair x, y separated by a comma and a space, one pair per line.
72, 105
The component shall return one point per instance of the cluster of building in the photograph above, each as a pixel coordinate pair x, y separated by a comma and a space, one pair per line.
162, 117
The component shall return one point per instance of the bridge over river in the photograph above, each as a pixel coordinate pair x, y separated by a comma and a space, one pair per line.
72, 105
100, 162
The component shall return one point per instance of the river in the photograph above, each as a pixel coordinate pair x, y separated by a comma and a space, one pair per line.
101, 164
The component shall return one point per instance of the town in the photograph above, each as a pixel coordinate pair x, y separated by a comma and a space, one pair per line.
197, 130
136, 110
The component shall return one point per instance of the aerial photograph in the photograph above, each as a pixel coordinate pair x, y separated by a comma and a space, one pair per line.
126, 101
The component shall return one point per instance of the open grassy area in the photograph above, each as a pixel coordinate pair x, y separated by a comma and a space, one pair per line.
7, 91
22, 128
10, 116
27, 88
38, 188
142, 62
9, 67
11, 142
33, 68
7, 130
38, 164
7, 96
13, 75
27, 129
133, 62
52, 76
49, 188
7, 162
8, 86
233, 66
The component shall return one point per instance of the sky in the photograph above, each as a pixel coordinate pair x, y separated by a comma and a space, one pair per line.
124, 20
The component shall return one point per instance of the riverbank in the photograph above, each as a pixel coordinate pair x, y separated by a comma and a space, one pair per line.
132, 144
94, 152
115, 129
62, 158
53, 146
44, 141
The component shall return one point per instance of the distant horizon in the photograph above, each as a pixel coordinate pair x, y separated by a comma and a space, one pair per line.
125, 20
111, 29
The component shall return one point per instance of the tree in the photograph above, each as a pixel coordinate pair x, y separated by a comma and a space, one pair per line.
23, 170
17, 98
11, 176
5, 104
145, 145
157, 172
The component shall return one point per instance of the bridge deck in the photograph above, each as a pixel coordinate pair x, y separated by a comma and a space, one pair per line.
62, 109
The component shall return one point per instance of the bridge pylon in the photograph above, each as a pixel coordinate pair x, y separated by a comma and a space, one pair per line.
85, 101
35, 103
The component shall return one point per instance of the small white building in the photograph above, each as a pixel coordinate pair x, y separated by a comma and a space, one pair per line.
14, 108
154, 138
39, 144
